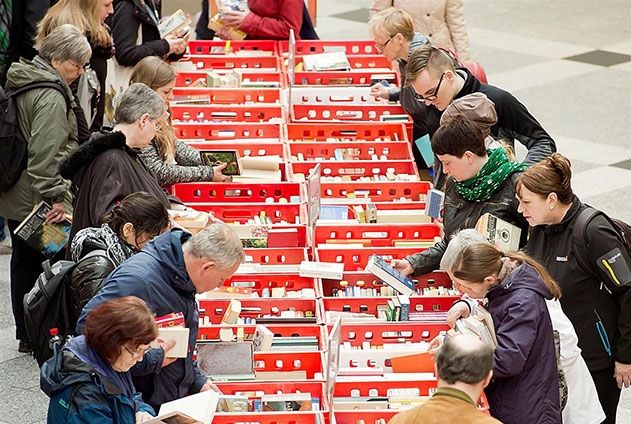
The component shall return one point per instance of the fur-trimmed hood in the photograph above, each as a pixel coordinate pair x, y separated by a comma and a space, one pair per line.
88, 151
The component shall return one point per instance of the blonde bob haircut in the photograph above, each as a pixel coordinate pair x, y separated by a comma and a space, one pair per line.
390, 22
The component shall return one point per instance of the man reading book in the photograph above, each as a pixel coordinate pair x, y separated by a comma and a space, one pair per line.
166, 274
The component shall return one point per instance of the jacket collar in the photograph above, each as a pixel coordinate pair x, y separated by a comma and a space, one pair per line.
141, 10
454, 393
88, 151
577, 205
471, 83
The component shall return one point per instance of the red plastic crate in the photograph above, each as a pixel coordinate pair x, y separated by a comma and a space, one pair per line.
288, 281
381, 235
315, 388
214, 309
284, 330
344, 78
311, 362
378, 334
348, 112
354, 47
185, 79
376, 63
242, 212
292, 256
216, 47
369, 416
245, 148
229, 95
356, 259
270, 418
432, 279
214, 113
369, 304
355, 169
211, 62
228, 131
393, 150
336, 96
365, 131
377, 192
235, 192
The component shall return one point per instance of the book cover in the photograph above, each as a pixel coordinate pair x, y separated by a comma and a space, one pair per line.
232, 312
332, 61
263, 339
177, 24
180, 335
233, 404
174, 319
379, 268
435, 199
46, 238
424, 146
200, 406
217, 157
502, 234
223, 360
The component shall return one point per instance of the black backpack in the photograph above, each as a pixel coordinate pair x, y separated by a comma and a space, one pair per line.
46, 306
13, 144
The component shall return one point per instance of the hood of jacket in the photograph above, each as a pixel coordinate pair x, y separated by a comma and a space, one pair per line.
522, 277
88, 151
167, 250
101, 238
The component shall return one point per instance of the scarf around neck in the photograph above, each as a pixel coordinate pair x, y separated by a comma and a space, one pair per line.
485, 183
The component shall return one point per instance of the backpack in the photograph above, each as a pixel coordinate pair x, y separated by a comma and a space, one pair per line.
579, 237
46, 306
13, 144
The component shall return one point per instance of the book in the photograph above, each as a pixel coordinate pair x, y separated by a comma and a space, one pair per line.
263, 339
435, 199
402, 216
177, 333
232, 312
502, 234
285, 402
173, 418
174, 319
281, 375
200, 406
190, 220
216, 157
250, 175
49, 238
415, 362
424, 146
262, 163
233, 403
332, 61
226, 360
178, 25
329, 270
382, 270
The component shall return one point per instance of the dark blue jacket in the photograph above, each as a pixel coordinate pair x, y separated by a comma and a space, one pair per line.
87, 391
525, 384
158, 276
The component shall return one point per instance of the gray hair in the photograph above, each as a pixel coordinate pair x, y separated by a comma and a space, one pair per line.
136, 101
464, 358
66, 42
458, 241
217, 242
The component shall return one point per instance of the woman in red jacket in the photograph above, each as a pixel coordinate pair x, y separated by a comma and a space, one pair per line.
266, 20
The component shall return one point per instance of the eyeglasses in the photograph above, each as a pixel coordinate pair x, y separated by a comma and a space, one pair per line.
434, 94
84, 67
380, 47
138, 353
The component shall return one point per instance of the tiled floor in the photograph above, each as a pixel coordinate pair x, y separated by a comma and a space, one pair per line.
568, 61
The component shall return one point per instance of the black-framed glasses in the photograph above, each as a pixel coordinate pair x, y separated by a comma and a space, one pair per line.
434, 94
380, 47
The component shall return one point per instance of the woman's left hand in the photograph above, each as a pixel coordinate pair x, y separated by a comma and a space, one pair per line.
209, 386
142, 416
233, 18
623, 374
218, 177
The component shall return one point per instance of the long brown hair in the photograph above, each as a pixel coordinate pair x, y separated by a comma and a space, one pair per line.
155, 73
552, 175
477, 261
84, 14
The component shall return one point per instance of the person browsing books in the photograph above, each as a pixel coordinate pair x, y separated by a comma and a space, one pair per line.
516, 288
589, 259
166, 274
49, 126
265, 19
464, 365
172, 160
88, 380
581, 404
480, 181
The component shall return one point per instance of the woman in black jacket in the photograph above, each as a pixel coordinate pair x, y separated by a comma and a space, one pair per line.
481, 181
588, 258
98, 250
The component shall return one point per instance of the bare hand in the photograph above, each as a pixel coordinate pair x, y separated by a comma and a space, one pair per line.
167, 346
622, 374
379, 91
233, 18
218, 177
142, 416
224, 33
436, 343
176, 45
56, 214
459, 310
209, 386
402, 265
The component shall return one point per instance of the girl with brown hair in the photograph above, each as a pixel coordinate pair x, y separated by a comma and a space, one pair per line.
172, 160
583, 251
525, 385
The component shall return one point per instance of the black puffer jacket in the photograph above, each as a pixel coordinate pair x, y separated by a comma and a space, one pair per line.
97, 251
459, 214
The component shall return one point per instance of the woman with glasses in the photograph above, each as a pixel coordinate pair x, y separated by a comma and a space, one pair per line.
108, 167
88, 380
479, 181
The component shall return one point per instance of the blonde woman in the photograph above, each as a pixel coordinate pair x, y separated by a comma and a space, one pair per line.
89, 16
443, 22
172, 160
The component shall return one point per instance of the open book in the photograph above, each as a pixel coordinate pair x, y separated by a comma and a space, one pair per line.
197, 408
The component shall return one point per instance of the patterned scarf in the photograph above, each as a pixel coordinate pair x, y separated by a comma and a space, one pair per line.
485, 183
116, 249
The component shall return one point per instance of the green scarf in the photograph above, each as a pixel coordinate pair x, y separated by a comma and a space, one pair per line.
485, 183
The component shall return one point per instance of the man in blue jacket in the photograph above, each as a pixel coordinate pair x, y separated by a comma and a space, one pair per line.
166, 274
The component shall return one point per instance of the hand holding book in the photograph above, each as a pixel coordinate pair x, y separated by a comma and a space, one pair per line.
56, 214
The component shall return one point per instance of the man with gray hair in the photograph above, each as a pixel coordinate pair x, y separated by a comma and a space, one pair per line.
465, 366
166, 274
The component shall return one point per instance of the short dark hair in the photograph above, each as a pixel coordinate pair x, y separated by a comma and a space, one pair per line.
146, 213
116, 323
467, 364
458, 136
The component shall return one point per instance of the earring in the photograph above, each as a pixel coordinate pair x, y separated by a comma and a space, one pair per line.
551, 207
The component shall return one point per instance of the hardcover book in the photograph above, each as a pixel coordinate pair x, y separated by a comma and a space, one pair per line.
217, 157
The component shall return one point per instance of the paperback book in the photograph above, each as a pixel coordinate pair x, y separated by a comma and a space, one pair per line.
46, 238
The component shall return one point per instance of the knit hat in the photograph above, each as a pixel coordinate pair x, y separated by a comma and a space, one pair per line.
477, 107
